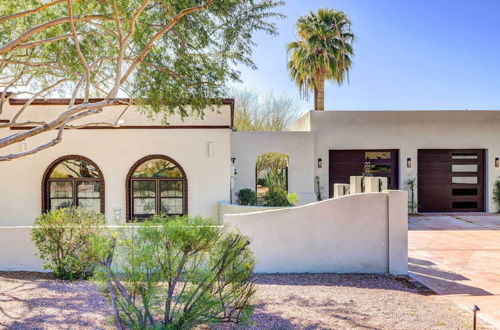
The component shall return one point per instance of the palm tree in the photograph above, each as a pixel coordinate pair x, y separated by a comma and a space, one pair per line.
322, 52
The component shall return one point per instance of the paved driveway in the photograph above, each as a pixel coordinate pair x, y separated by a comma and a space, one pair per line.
458, 256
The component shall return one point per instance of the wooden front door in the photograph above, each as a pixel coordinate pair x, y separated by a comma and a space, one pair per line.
450, 180
346, 163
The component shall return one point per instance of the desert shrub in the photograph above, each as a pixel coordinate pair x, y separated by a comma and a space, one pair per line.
246, 197
65, 239
496, 193
279, 197
176, 273
412, 203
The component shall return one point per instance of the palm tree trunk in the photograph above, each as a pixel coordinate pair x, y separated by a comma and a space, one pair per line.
319, 92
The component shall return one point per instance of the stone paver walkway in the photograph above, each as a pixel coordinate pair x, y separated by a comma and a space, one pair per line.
458, 256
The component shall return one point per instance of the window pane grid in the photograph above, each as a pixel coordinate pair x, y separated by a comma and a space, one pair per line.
157, 196
74, 183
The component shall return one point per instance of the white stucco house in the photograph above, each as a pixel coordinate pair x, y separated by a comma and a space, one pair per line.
190, 166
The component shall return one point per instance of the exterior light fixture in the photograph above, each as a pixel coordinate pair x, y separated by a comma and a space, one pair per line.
497, 162
320, 163
210, 149
408, 162
233, 159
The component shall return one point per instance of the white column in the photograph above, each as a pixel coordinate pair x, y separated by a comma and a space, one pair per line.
398, 231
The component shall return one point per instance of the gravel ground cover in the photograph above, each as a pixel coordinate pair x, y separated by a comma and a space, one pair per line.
291, 301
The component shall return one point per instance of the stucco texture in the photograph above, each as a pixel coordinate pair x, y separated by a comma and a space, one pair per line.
115, 151
406, 131
362, 233
298, 146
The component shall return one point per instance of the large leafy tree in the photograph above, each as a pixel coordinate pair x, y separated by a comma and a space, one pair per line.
322, 52
159, 54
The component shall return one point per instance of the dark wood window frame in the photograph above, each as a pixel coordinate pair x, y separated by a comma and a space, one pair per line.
46, 199
129, 185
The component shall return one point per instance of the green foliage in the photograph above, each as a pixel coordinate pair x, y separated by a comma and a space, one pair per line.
292, 198
319, 189
246, 197
323, 50
412, 203
65, 239
276, 180
176, 273
190, 63
496, 193
279, 197
271, 168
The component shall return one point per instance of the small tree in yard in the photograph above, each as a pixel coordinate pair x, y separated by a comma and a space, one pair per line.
177, 273
66, 239
160, 54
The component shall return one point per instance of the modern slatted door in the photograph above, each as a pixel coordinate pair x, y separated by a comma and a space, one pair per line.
346, 163
451, 180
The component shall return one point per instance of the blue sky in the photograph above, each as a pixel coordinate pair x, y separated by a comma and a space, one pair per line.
410, 54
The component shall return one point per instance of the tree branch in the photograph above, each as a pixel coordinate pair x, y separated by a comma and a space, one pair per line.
31, 11
155, 37
46, 89
42, 27
53, 142
46, 41
65, 117
79, 51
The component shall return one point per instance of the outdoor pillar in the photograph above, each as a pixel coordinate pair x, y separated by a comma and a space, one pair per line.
398, 231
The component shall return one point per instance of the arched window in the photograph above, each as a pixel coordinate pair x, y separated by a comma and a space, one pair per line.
156, 184
73, 181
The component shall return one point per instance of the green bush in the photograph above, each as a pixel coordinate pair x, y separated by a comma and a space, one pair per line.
65, 239
279, 198
496, 193
246, 197
412, 203
176, 273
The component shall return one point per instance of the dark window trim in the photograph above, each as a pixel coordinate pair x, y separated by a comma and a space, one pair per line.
46, 180
25, 128
130, 179
158, 198
64, 101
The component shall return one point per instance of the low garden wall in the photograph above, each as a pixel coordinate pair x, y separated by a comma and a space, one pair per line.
18, 252
228, 208
361, 233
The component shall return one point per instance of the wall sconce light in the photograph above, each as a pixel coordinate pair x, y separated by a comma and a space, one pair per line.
233, 159
117, 213
320, 163
497, 162
210, 149
408, 162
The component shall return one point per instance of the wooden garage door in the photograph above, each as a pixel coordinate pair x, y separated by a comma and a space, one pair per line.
451, 180
346, 163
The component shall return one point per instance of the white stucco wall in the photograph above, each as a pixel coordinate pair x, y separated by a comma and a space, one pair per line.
299, 146
363, 233
115, 151
18, 252
228, 208
407, 131
216, 115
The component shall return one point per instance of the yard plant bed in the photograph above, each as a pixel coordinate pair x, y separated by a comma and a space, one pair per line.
38, 301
